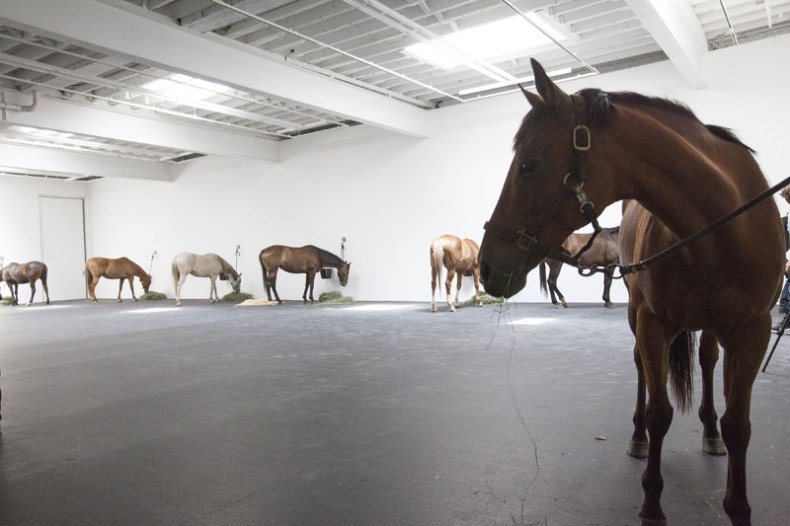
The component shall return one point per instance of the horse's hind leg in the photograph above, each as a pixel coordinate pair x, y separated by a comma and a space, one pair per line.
708, 356
433, 289
14, 288
448, 283
46, 288
555, 267
306, 286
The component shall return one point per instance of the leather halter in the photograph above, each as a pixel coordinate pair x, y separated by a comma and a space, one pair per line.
526, 239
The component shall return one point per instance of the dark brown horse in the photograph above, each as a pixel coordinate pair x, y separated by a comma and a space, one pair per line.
458, 256
682, 176
303, 260
603, 251
120, 268
15, 273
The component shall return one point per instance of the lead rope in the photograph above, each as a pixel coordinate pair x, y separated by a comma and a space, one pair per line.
645, 263
151, 266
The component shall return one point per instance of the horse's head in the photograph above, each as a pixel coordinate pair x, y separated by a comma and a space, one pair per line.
235, 282
342, 273
146, 282
542, 200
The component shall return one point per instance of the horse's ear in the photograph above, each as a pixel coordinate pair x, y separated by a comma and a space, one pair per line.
551, 94
533, 98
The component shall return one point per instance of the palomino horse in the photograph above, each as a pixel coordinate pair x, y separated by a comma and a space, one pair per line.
688, 175
203, 266
457, 256
603, 251
303, 260
15, 273
121, 268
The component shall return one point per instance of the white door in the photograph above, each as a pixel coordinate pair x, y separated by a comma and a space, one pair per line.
63, 246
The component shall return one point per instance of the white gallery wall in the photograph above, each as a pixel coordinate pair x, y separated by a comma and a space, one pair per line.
389, 195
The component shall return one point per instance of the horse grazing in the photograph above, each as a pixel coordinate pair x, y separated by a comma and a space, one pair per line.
120, 268
604, 251
303, 260
457, 256
15, 273
621, 146
203, 266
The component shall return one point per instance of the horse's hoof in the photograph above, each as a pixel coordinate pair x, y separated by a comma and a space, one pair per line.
652, 522
638, 449
479, 303
120, 300
714, 446
433, 308
608, 304
135, 299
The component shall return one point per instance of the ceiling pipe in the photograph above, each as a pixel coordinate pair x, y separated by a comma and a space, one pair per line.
729, 22
18, 107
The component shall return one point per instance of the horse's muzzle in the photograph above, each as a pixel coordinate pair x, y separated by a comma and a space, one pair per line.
499, 283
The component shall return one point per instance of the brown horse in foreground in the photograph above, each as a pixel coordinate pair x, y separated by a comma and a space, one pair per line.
120, 268
622, 146
603, 251
15, 273
457, 256
303, 260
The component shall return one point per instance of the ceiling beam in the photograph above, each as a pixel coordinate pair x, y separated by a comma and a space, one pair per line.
675, 27
209, 57
138, 128
34, 158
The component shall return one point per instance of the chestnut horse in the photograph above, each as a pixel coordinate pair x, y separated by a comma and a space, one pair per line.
603, 251
458, 257
15, 273
203, 266
628, 146
120, 268
303, 260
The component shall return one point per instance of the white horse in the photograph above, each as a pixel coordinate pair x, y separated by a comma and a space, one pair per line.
203, 266
459, 256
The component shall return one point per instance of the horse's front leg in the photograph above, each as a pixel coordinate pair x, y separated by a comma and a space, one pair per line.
120, 288
476, 274
448, 283
708, 356
458, 288
32, 292
638, 446
212, 293
607, 285
653, 343
131, 287
744, 349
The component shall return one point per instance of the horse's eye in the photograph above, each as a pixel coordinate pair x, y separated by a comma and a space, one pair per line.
527, 168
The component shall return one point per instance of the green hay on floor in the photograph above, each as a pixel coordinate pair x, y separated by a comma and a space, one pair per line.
486, 299
6, 301
334, 296
236, 297
153, 296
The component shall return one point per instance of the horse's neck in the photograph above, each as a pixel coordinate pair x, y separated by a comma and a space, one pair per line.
676, 176
227, 267
329, 260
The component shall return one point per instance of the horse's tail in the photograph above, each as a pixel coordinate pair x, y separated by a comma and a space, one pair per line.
681, 366
542, 273
437, 255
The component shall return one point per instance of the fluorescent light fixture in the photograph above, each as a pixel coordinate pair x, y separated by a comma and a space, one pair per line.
496, 85
508, 37
187, 88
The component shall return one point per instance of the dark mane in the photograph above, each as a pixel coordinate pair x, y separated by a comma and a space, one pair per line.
599, 109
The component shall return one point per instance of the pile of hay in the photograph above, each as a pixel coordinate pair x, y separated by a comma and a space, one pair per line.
334, 296
153, 296
6, 301
486, 299
236, 297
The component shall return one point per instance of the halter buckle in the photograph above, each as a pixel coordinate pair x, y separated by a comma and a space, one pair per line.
531, 241
581, 138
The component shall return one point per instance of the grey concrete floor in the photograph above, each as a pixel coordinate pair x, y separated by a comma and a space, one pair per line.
369, 414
